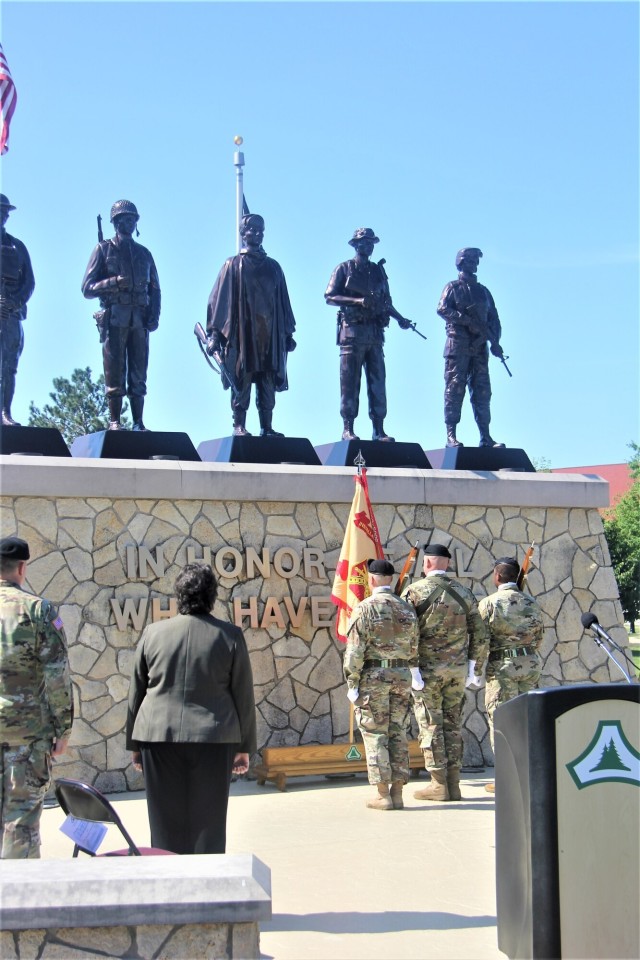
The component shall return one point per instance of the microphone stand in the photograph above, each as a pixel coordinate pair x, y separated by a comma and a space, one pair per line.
598, 640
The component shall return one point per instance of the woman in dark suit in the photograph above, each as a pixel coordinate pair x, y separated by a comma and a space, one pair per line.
191, 719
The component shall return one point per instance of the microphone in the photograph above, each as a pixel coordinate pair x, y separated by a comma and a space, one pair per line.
590, 622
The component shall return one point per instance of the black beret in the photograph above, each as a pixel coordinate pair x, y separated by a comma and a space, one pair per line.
13, 548
384, 568
436, 550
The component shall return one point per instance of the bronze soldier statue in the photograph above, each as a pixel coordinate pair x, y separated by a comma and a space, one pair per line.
17, 286
361, 290
472, 319
123, 275
250, 326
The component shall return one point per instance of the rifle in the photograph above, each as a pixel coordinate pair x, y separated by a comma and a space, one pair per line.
404, 573
217, 363
101, 317
412, 326
503, 360
482, 331
526, 563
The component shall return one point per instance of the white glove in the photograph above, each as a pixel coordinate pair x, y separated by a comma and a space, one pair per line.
473, 682
352, 694
417, 683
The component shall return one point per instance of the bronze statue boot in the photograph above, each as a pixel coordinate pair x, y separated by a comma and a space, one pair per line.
437, 789
8, 389
347, 433
486, 440
115, 410
266, 430
452, 440
396, 794
379, 434
453, 783
137, 406
239, 420
383, 801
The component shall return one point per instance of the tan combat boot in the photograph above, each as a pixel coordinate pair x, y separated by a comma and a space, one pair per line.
490, 787
396, 794
383, 800
453, 783
437, 789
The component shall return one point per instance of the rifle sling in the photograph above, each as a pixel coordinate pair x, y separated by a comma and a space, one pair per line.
445, 587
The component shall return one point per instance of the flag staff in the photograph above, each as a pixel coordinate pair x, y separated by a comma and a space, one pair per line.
238, 162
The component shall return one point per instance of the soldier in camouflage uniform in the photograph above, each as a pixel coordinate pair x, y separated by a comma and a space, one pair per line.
453, 640
380, 666
36, 705
516, 628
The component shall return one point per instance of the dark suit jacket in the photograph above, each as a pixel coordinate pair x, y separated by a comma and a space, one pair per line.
192, 683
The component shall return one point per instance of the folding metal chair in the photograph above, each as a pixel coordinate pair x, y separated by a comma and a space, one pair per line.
83, 802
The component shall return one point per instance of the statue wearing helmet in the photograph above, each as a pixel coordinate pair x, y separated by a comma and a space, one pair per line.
122, 275
17, 286
471, 319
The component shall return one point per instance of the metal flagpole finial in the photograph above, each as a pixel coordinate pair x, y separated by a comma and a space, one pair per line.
238, 162
359, 462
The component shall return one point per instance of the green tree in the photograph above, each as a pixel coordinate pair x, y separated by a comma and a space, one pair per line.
622, 530
79, 406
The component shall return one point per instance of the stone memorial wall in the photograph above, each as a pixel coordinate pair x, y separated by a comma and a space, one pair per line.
108, 538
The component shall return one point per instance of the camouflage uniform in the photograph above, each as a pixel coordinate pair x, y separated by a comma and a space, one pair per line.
36, 707
515, 627
382, 627
451, 632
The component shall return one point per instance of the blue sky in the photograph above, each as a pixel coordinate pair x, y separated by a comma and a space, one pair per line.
509, 126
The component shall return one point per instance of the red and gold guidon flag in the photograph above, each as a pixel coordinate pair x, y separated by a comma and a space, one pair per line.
361, 543
8, 99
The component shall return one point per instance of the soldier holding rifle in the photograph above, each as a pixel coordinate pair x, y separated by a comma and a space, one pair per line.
516, 629
361, 290
472, 319
453, 646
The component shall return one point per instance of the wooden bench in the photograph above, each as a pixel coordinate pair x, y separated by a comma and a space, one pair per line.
278, 763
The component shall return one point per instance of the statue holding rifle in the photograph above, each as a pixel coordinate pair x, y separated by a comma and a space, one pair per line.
472, 320
250, 326
122, 274
360, 289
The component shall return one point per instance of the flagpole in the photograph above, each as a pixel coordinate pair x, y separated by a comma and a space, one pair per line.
238, 162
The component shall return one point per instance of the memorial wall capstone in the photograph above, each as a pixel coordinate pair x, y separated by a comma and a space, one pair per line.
108, 538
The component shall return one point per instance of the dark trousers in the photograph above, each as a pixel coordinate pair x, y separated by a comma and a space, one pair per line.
265, 392
125, 356
473, 372
353, 357
187, 794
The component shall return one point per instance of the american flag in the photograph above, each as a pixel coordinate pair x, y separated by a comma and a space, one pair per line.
8, 99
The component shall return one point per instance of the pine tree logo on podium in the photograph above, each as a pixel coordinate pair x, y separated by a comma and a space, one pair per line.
608, 758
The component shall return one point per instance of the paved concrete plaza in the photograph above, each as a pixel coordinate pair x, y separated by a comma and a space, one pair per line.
351, 883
